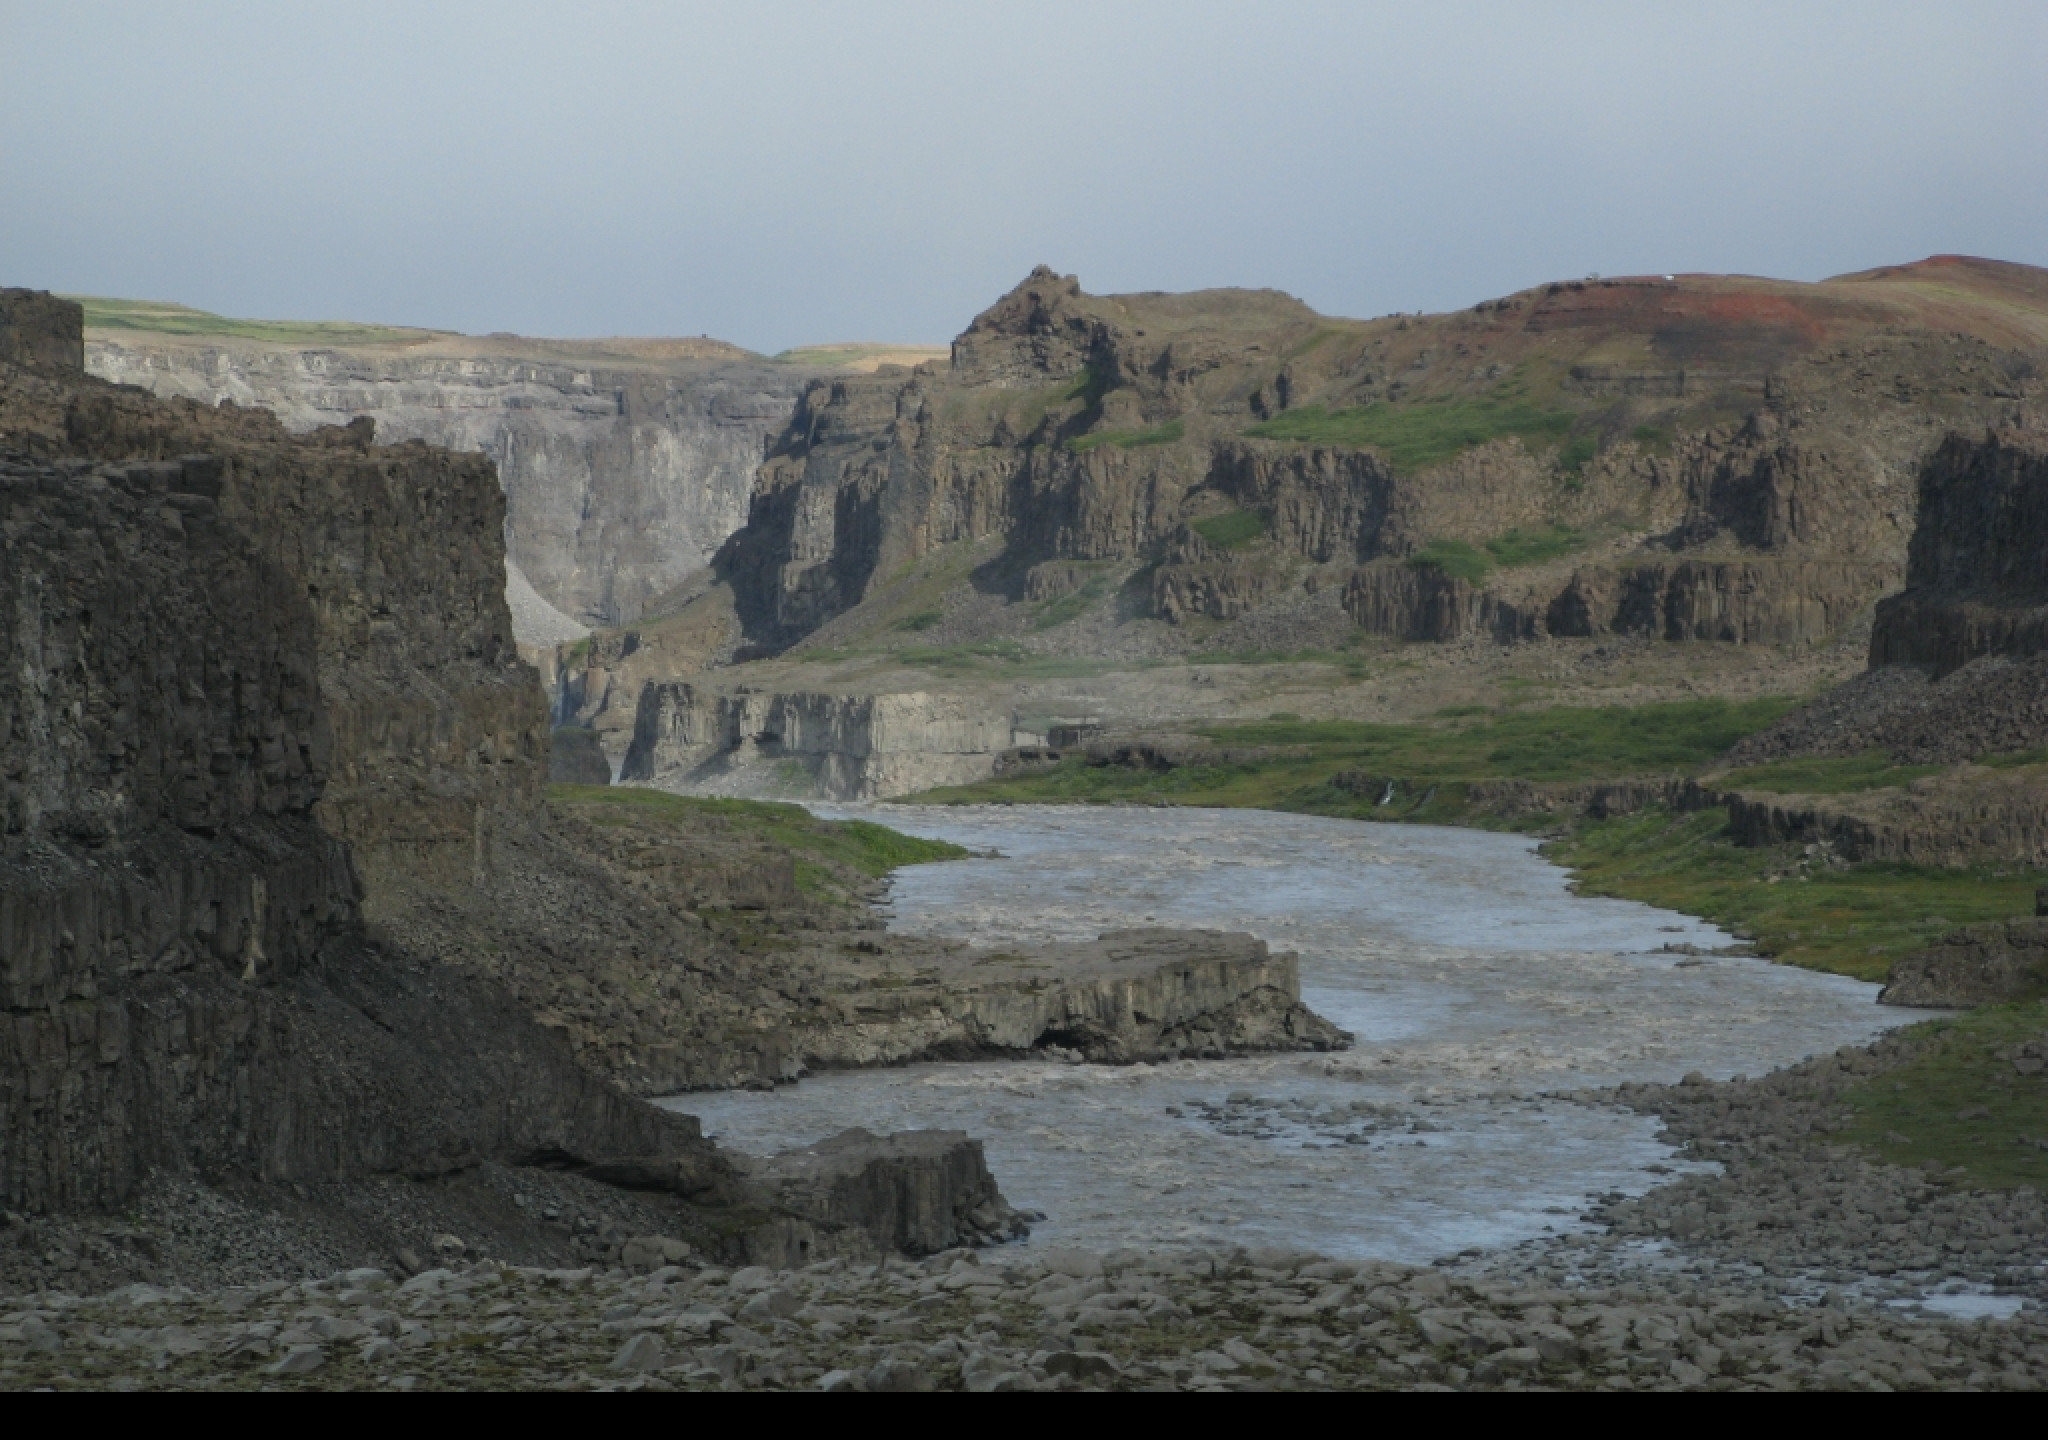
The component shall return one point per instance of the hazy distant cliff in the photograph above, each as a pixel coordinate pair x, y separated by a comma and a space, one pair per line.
624, 464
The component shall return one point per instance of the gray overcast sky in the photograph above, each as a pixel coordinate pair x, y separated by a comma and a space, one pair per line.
775, 172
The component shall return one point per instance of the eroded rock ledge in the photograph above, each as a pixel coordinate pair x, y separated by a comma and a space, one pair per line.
843, 747
1129, 996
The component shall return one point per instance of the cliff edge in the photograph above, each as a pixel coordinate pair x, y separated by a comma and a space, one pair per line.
266, 708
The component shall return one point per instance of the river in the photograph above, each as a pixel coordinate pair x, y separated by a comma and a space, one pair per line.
1476, 984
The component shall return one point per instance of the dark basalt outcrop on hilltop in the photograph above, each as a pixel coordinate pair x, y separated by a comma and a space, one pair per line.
1958, 673
1959, 659
1738, 451
263, 708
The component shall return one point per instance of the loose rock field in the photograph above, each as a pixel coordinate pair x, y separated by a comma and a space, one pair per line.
993, 1321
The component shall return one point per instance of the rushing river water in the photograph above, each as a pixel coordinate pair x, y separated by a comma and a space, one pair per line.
1472, 979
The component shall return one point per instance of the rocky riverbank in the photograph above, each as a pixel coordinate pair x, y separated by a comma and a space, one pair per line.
1799, 1265
1002, 1321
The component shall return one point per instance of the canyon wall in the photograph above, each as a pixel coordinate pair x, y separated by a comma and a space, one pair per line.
1958, 673
1716, 459
622, 473
265, 721
1959, 658
245, 693
841, 747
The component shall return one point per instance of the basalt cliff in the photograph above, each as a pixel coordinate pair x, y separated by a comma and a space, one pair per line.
289, 922
264, 722
1639, 466
1737, 454
625, 463
1957, 681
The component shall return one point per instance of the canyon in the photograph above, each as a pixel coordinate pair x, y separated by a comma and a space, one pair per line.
1124, 487
299, 934
283, 889
625, 462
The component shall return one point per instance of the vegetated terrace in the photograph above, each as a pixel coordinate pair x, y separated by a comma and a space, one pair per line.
1853, 921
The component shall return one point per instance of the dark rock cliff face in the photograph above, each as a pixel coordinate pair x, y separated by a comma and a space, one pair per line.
1977, 572
1958, 673
1959, 659
1752, 473
238, 693
263, 712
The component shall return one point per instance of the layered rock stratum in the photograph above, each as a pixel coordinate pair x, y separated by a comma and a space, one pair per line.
1749, 444
1652, 462
625, 462
266, 712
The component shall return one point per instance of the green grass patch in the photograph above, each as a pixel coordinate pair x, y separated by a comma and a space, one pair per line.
1855, 921
1533, 547
1554, 744
1072, 605
1577, 453
1167, 434
162, 318
1563, 743
1831, 775
1233, 531
922, 620
1417, 435
1654, 438
1087, 387
1507, 551
871, 849
1960, 1103
1456, 559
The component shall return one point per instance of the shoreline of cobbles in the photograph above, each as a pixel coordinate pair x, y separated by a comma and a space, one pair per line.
1014, 1318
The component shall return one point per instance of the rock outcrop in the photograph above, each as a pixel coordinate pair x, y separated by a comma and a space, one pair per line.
843, 747
914, 1193
265, 715
1977, 578
1129, 996
577, 759
1976, 965
625, 464
682, 945
1959, 659
1742, 479
1958, 673
40, 332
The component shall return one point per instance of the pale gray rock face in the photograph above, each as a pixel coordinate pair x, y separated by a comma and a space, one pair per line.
619, 482
838, 747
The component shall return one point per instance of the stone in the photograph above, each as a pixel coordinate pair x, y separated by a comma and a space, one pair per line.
775, 1304
899, 1377
834, 1382
298, 1360
641, 1353
1082, 1365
